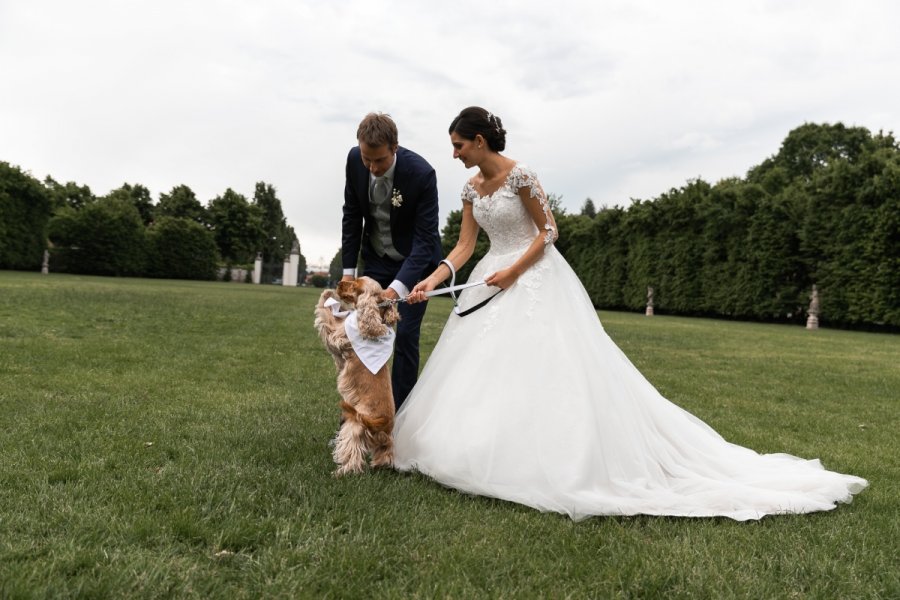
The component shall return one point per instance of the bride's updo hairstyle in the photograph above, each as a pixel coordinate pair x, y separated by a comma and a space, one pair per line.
475, 120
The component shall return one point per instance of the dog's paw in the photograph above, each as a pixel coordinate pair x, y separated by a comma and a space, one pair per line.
385, 461
324, 296
347, 470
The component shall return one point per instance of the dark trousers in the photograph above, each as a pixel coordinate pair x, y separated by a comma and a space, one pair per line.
405, 371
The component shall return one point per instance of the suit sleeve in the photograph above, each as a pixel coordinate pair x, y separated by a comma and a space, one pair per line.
425, 233
352, 224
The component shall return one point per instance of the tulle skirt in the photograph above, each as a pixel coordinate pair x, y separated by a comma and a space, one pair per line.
529, 400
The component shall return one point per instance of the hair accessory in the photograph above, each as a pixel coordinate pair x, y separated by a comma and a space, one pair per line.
493, 121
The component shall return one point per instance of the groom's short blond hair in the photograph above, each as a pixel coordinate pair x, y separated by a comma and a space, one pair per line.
377, 129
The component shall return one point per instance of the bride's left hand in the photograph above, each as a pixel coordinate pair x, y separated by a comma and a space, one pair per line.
502, 278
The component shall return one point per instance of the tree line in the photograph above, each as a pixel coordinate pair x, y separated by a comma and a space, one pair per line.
125, 233
824, 211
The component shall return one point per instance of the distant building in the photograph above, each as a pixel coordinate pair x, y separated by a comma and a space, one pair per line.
317, 274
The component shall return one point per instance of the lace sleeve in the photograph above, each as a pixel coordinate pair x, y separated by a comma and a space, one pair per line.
524, 177
468, 193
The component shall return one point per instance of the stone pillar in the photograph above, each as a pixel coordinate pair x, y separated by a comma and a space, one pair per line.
45, 266
286, 272
257, 268
295, 264
812, 321
649, 311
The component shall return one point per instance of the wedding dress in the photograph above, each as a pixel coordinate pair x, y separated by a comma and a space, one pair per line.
529, 400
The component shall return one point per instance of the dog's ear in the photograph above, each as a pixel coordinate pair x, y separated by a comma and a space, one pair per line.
391, 315
369, 317
347, 290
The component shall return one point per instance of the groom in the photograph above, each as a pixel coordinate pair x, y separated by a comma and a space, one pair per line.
391, 218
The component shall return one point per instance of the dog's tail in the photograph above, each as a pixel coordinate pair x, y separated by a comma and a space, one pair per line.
372, 423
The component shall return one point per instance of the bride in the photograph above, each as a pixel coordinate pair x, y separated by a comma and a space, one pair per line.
529, 400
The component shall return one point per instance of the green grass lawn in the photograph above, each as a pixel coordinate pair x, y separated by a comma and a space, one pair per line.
170, 439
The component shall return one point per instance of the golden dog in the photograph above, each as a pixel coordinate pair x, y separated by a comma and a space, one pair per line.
367, 403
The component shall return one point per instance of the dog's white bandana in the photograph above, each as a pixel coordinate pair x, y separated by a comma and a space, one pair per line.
372, 352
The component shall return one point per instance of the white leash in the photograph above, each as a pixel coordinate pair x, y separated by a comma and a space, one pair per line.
447, 290
451, 289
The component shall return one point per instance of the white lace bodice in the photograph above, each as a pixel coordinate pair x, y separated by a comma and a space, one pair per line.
504, 217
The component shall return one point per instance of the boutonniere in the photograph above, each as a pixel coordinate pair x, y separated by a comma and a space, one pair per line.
396, 198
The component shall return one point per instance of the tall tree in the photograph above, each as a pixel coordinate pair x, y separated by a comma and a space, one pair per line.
336, 268
279, 237
68, 194
588, 209
139, 197
301, 266
237, 227
813, 146
181, 203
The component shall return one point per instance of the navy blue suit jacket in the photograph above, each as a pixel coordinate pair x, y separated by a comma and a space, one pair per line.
414, 224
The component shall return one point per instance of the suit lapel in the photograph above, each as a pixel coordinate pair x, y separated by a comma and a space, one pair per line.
399, 178
398, 169
363, 178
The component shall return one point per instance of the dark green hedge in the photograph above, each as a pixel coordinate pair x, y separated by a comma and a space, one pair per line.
25, 208
180, 248
106, 237
824, 211
123, 233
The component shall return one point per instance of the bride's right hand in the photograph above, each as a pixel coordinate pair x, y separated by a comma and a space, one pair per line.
418, 292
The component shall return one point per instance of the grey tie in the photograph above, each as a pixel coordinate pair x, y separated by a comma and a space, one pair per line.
380, 191
381, 239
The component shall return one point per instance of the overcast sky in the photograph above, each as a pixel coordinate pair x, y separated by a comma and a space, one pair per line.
607, 100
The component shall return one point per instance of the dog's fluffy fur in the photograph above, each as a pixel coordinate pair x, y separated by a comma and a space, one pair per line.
367, 403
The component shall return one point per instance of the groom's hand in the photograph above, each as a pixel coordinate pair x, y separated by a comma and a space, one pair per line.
391, 294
